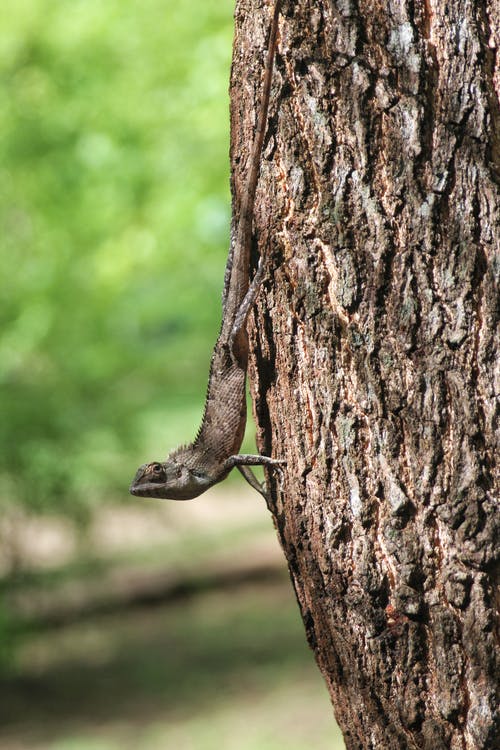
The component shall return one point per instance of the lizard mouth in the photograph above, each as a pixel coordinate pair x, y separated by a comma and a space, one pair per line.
149, 489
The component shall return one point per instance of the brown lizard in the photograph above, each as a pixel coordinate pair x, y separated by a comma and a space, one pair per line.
191, 469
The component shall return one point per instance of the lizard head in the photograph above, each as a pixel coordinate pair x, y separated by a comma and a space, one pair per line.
169, 480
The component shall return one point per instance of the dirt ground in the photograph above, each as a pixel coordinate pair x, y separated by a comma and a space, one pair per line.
166, 626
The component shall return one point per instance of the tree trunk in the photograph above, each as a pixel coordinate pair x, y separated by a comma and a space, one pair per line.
375, 351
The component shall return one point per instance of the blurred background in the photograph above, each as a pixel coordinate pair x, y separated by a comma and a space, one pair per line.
127, 622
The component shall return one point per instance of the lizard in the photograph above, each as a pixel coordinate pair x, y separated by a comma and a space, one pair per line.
191, 469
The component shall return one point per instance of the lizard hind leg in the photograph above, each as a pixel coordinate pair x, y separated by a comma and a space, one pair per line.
241, 316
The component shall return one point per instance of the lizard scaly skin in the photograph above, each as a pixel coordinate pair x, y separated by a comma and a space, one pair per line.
191, 469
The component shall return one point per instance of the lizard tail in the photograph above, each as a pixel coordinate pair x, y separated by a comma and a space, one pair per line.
237, 280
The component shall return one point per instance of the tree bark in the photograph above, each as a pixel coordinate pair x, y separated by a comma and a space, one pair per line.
375, 349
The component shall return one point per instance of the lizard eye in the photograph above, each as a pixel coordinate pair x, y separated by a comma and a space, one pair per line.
157, 468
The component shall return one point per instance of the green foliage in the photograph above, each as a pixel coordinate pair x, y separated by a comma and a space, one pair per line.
114, 214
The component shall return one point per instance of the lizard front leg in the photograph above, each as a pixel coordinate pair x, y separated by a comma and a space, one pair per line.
250, 459
252, 480
243, 461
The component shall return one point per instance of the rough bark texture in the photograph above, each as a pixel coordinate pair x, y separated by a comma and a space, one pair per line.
376, 351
